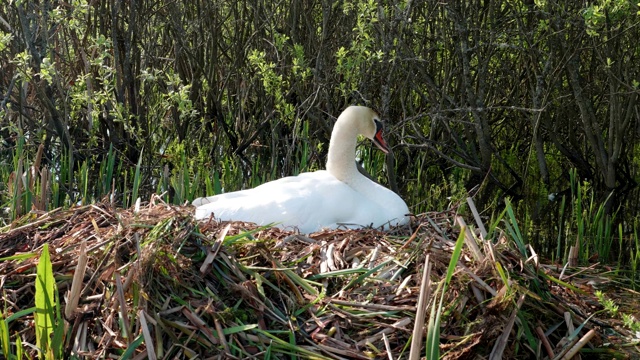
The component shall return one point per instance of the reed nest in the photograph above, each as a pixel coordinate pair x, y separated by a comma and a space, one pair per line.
155, 283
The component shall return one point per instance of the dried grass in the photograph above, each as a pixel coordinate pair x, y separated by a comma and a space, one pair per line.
161, 285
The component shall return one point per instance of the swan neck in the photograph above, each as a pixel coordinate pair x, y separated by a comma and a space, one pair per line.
341, 161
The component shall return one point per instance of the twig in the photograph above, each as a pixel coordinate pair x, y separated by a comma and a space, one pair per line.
378, 336
123, 307
545, 342
213, 251
579, 345
500, 345
423, 301
373, 306
387, 346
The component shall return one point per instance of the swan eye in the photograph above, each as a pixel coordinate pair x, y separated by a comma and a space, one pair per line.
379, 125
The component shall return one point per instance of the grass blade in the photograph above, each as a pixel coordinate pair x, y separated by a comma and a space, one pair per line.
4, 337
136, 179
433, 328
44, 301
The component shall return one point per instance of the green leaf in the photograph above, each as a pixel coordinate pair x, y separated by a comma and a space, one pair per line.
44, 300
131, 350
239, 328
4, 337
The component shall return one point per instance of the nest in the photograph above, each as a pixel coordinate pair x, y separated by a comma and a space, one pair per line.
154, 283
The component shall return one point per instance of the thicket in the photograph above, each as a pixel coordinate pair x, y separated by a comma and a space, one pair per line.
529, 100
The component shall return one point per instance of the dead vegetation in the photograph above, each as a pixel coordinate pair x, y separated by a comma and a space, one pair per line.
157, 284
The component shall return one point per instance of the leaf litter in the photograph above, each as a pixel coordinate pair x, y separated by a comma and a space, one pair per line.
154, 283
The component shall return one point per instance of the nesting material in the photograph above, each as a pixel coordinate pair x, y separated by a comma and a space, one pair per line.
162, 285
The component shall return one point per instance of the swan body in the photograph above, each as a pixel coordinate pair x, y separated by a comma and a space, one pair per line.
311, 201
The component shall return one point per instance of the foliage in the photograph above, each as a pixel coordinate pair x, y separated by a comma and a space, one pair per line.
630, 321
497, 100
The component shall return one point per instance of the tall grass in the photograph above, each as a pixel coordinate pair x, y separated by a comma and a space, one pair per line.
106, 173
632, 243
513, 228
561, 227
590, 226
28, 183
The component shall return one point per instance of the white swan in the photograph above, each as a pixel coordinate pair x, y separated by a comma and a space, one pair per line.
339, 196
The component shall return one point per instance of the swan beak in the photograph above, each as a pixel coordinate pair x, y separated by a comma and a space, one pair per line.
378, 140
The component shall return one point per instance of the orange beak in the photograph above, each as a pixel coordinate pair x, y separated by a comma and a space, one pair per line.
378, 139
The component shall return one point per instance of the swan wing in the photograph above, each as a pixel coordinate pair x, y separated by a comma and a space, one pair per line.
309, 202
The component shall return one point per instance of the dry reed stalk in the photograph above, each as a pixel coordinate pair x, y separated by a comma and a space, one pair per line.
266, 281
579, 345
470, 240
498, 348
476, 217
423, 301
73, 295
151, 353
213, 251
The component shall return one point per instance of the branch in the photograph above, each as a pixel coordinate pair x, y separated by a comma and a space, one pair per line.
443, 155
5, 25
3, 105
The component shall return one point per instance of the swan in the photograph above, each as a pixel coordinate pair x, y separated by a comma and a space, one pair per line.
311, 201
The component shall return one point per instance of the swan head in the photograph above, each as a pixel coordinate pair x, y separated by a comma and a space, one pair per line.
367, 123
354, 121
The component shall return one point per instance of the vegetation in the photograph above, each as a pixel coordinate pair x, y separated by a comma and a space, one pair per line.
497, 100
154, 283
530, 107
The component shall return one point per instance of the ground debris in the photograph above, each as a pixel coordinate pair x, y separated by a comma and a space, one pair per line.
156, 276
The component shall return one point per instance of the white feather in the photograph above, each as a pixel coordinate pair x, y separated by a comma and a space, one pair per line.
339, 196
